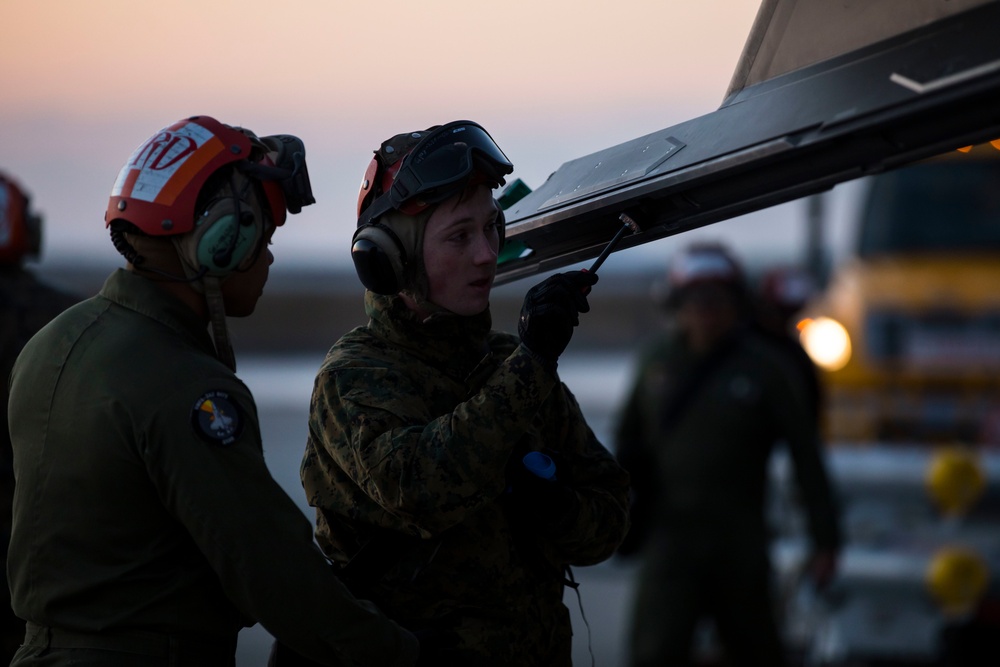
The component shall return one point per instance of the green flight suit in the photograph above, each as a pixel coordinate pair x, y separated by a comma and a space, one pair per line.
696, 432
147, 528
412, 425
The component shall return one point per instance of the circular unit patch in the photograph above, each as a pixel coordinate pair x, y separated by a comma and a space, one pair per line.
216, 418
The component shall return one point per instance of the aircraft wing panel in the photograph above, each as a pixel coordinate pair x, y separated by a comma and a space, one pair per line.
882, 106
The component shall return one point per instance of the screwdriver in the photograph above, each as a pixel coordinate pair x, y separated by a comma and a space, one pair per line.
628, 224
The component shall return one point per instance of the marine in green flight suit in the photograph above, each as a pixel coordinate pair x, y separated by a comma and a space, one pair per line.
147, 529
710, 402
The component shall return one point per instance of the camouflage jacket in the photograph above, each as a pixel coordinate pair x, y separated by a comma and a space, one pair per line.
411, 428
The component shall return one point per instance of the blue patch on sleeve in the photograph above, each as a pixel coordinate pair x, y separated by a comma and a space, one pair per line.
216, 418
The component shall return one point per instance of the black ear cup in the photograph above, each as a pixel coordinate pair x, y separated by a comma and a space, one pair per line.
379, 259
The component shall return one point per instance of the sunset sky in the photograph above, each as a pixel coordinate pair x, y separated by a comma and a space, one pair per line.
84, 83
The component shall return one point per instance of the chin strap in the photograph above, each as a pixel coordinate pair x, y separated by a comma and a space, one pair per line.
217, 313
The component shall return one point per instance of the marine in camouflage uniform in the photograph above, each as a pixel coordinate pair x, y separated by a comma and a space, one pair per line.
696, 432
417, 428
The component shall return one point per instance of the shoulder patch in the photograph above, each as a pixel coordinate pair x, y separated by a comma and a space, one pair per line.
217, 418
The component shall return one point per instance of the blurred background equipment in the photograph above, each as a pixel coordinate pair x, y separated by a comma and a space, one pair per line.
908, 328
907, 337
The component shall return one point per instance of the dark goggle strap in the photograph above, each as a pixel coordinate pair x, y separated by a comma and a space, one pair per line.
289, 170
375, 210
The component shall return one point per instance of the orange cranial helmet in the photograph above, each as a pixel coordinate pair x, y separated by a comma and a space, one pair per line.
218, 192
20, 229
163, 182
157, 188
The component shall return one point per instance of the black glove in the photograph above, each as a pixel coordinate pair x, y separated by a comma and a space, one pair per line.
550, 311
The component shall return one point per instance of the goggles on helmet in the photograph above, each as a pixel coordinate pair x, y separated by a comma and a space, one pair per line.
440, 164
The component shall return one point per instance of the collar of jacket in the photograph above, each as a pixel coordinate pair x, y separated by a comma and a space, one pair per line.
138, 293
444, 339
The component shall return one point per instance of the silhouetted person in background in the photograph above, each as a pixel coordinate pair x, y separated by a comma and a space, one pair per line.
26, 305
711, 399
781, 295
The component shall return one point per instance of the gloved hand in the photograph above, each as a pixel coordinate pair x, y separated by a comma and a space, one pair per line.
541, 505
438, 648
550, 311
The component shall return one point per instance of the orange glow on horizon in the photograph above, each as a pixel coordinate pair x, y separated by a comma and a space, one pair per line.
86, 82
120, 56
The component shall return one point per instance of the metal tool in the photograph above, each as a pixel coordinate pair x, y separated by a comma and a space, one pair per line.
629, 224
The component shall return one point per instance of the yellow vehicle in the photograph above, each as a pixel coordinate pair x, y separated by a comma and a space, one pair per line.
908, 330
907, 333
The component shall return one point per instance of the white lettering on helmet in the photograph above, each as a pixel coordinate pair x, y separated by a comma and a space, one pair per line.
152, 165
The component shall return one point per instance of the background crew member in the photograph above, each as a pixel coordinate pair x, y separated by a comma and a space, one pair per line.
711, 399
781, 295
147, 529
26, 305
